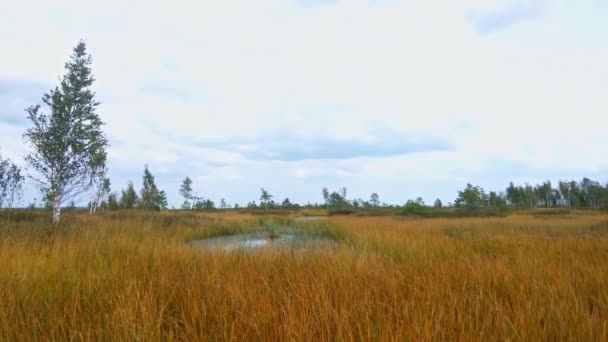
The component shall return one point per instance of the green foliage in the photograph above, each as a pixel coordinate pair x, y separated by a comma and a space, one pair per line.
287, 204
185, 191
471, 197
265, 199
129, 198
336, 200
496, 200
113, 203
586, 193
151, 197
162, 200
11, 183
438, 204
203, 205
416, 207
67, 145
325, 194
374, 200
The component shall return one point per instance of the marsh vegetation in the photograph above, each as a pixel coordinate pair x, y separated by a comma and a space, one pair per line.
128, 276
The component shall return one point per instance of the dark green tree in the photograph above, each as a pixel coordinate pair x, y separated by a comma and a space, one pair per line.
162, 200
471, 197
150, 197
325, 193
374, 200
204, 204
113, 203
265, 198
514, 196
416, 207
186, 191
337, 200
129, 198
604, 198
286, 204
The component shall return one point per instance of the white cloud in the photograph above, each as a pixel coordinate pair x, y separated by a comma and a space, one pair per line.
209, 84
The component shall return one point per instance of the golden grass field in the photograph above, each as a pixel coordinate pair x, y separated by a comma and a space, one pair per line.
132, 276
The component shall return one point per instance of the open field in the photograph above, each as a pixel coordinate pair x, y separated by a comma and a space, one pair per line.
133, 276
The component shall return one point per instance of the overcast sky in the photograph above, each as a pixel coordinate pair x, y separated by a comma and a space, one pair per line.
402, 98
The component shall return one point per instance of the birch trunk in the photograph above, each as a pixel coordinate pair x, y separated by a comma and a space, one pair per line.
56, 211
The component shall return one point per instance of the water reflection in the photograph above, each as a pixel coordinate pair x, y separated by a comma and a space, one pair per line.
259, 241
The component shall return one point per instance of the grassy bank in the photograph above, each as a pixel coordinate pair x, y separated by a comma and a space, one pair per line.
125, 276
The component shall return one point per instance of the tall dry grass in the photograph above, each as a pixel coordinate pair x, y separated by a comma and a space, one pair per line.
129, 276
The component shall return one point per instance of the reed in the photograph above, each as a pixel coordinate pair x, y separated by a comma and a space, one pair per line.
131, 276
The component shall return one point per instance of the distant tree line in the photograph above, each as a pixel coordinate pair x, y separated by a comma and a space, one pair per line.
67, 161
568, 194
149, 198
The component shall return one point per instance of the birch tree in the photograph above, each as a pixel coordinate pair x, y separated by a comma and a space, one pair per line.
11, 183
102, 191
67, 144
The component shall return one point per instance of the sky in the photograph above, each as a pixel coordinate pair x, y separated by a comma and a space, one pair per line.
403, 98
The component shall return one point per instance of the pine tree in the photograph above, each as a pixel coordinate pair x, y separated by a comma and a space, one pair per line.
151, 197
162, 200
186, 191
